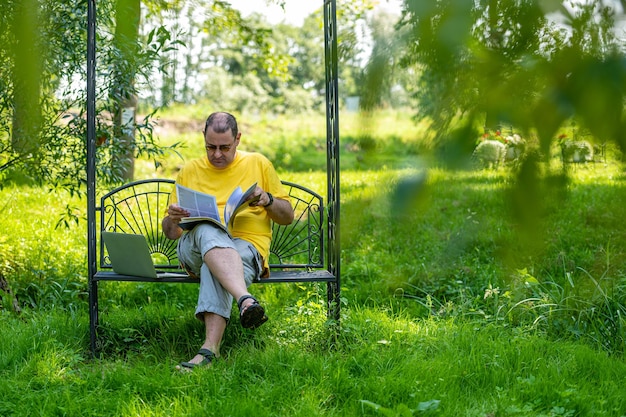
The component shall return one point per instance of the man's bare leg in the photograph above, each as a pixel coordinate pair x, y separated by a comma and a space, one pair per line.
226, 266
215, 327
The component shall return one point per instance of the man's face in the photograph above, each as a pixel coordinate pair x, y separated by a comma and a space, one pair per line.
220, 147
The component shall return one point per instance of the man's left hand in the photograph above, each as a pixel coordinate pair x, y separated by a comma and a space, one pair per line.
260, 198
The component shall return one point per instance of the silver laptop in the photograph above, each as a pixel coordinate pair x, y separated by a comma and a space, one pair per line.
129, 255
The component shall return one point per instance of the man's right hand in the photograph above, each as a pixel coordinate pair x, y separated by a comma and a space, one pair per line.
170, 223
176, 213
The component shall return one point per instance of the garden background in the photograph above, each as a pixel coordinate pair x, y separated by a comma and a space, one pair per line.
469, 286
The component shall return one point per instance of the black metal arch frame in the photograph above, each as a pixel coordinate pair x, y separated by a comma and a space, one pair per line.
332, 152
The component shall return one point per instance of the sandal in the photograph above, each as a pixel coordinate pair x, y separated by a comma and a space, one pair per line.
252, 316
208, 358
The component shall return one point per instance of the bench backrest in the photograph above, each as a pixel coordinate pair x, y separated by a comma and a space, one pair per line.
138, 207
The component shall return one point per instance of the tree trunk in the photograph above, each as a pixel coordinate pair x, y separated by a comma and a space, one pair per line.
26, 79
492, 122
127, 15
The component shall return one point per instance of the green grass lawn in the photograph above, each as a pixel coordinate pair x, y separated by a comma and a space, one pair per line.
451, 304
383, 357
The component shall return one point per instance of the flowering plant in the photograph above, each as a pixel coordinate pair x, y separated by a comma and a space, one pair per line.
497, 135
562, 138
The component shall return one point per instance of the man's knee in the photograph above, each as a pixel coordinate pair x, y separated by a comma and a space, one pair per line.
221, 251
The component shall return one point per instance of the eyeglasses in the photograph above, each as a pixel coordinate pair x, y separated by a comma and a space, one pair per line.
222, 148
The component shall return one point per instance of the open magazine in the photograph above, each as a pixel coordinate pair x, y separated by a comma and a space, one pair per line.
203, 207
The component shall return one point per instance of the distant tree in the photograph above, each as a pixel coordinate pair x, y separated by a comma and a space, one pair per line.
123, 95
216, 36
380, 79
281, 65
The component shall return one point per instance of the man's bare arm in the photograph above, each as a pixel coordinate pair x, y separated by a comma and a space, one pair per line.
170, 226
279, 210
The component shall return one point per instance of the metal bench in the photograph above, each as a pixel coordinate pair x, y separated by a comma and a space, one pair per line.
326, 251
297, 252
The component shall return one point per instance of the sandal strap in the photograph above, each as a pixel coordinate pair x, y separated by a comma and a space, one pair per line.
208, 355
244, 298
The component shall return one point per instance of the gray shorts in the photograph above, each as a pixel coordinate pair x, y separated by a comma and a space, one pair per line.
192, 246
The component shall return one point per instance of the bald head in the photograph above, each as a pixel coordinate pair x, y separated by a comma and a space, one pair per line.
221, 122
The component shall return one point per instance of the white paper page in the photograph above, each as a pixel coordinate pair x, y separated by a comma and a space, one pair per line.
196, 203
231, 204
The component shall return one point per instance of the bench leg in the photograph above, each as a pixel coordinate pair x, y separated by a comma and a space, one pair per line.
93, 317
334, 303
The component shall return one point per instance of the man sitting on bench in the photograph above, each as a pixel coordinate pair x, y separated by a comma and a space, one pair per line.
227, 264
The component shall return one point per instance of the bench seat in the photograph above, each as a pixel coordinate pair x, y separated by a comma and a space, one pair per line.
276, 276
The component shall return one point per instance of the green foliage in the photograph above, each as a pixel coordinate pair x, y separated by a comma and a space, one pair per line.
594, 313
53, 121
527, 63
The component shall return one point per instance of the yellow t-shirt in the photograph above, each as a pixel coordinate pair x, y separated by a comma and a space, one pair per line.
252, 224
